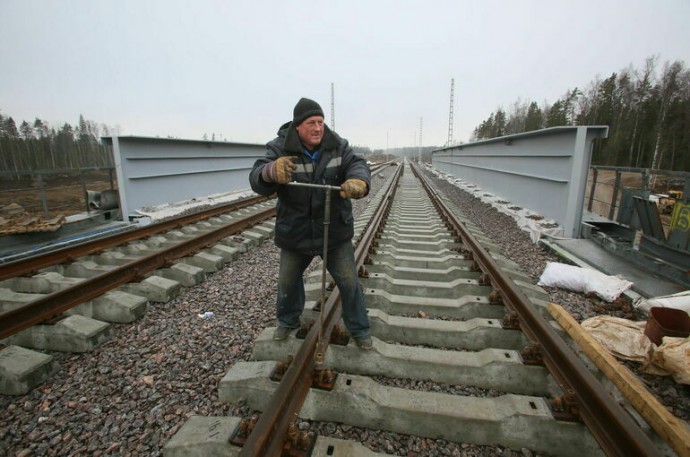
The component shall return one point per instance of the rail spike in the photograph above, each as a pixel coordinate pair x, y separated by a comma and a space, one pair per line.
338, 335
323, 378
280, 369
565, 407
244, 428
495, 297
511, 321
484, 280
298, 443
532, 354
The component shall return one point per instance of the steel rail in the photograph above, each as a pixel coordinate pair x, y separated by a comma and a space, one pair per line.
610, 424
35, 263
270, 431
57, 302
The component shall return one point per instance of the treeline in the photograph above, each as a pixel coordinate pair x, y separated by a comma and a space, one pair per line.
37, 146
647, 112
383, 155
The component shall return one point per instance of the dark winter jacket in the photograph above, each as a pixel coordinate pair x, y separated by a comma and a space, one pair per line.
300, 210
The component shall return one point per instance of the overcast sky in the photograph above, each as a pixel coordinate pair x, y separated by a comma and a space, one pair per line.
236, 69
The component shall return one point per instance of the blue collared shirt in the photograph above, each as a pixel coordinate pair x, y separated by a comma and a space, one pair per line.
313, 155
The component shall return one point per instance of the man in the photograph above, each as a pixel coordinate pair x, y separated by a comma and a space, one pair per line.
307, 151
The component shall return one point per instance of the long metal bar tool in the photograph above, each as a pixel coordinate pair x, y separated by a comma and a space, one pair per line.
319, 355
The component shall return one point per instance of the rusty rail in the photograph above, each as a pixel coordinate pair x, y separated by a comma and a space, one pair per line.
28, 265
611, 426
48, 306
270, 432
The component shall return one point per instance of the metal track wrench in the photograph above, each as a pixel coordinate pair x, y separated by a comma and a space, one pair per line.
319, 355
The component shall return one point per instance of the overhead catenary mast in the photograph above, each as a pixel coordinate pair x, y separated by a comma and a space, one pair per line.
421, 119
332, 107
450, 115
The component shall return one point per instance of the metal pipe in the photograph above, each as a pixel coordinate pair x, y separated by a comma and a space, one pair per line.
315, 186
318, 355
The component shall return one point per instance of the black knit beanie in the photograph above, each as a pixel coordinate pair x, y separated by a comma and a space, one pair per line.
305, 108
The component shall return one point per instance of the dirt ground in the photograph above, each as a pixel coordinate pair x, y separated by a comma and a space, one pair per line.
605, 185
63, 195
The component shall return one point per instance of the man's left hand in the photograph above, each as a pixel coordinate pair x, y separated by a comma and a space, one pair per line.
353, 188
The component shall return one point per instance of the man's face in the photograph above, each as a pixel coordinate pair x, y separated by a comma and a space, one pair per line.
311, 131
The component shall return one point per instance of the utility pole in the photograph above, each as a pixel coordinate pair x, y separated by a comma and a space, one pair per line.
421, 119
332, 107
450, 116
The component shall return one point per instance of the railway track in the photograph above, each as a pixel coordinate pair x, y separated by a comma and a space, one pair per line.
437, 315
443, 310
66, 300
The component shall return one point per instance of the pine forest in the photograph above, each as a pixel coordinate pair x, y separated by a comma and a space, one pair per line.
646, 109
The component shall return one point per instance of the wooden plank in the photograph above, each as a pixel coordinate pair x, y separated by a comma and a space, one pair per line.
674, 431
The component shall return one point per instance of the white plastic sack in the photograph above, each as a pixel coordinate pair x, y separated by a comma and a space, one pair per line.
583, 280
681, 300
536, 229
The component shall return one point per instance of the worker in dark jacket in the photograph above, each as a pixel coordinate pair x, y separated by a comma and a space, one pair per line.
307, 151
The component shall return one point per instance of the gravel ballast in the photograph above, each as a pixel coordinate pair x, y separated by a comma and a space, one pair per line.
131, 395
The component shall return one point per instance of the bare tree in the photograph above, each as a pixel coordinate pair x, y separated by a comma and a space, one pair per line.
668, 93
641, 94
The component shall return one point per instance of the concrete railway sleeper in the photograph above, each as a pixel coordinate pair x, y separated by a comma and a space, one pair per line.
436, 317
438, 320
68, 304
66, 298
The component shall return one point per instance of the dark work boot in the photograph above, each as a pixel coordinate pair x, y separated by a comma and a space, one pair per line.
281, 333
364, 342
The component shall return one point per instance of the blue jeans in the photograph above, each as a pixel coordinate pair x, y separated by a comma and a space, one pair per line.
341, 265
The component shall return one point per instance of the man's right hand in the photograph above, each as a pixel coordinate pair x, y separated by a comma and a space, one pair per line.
280, 170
